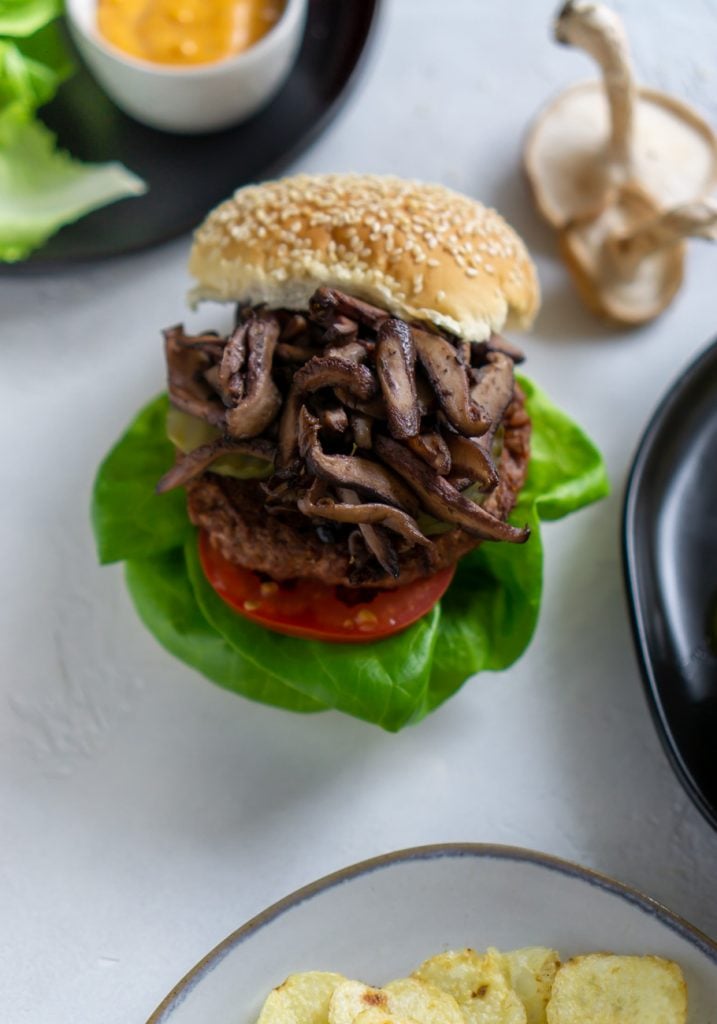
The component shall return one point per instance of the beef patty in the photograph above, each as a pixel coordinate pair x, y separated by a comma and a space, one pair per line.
234, 514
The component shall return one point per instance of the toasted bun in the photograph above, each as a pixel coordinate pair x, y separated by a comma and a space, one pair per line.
421, 251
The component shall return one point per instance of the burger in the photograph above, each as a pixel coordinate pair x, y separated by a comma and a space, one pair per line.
357, 434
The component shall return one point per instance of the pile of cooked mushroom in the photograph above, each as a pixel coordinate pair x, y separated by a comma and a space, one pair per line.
368, 420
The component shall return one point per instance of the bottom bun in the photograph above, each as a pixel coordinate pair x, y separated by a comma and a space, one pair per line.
234, 514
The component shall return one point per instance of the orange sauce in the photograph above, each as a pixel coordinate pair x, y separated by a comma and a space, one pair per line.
185, 31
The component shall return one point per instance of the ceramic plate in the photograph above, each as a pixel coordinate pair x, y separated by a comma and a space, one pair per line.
379, 919
187, 175
670, 561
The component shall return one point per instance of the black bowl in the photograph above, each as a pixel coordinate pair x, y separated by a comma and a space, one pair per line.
670, 567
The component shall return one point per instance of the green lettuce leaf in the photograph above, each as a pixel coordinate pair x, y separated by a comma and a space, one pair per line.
129, 519
485, 620
165, 602
41, 187
25, 17
385, 682
31, 70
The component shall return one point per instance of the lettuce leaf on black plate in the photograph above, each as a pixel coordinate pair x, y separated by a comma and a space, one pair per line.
485, 620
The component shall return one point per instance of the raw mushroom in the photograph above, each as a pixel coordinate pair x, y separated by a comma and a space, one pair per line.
598, 136
622, 171
628, 263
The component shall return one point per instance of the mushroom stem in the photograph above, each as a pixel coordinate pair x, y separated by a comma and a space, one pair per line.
691, 220
598, 31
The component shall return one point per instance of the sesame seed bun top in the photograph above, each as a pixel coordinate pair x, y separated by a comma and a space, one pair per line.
421, 251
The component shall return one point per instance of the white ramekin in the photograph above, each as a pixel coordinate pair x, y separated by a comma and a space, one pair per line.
196, 99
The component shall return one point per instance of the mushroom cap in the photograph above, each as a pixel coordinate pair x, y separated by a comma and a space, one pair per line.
423, 252
674, 153
604, 287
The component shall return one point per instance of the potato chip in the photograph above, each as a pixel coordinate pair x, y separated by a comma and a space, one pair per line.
422, 1002
301, 999
530, 972
478, 984
605, 989
377, 1016
351, 998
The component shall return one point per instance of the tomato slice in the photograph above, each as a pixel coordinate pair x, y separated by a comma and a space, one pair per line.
314, 610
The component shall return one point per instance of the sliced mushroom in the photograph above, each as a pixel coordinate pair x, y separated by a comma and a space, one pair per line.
351, 509
211, 376
334, 419
353, 351
294, 325
494, 386
188, 390
294, 353
289, 428
374, 408
341, 330
450, 381
261, 400
441, 499
209, 342
425, 395
361, 428
326, 303
396, 368
351, 470
336, 372
496, 343
376, 538
195, 463
231, 382
434, 451
471, 462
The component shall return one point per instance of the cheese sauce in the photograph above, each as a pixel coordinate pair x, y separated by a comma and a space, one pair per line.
185, 31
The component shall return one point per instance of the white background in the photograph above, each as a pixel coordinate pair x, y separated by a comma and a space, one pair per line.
145, 813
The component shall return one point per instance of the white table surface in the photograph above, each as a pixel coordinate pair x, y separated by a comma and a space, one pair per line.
145, 813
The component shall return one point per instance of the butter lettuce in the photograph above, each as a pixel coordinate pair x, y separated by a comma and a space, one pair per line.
25, 17
41, 187
485, 620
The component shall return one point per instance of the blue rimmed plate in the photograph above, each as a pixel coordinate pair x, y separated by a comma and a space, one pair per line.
379, 919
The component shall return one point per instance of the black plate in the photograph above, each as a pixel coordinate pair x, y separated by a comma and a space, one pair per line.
670, 564
187, 175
